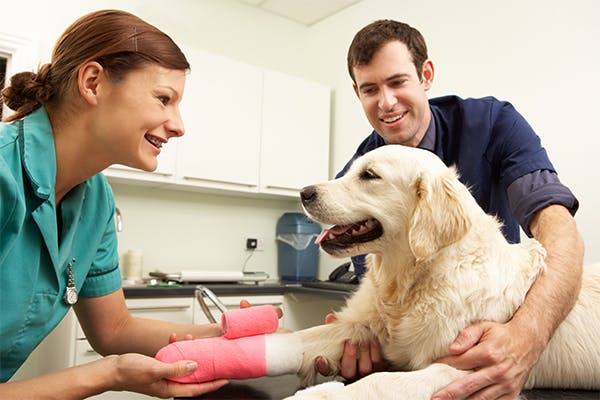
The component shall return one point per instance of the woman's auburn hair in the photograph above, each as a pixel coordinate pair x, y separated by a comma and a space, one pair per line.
119, 41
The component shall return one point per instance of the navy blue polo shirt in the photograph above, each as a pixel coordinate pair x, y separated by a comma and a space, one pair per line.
492, 147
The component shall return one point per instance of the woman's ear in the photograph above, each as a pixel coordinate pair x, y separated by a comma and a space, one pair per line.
88, 80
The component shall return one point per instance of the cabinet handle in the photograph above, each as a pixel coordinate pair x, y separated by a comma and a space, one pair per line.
159, 308
228, 183
295, 189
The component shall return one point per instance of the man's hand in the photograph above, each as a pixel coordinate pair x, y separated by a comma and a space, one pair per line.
142, 374
357, 360
501, 356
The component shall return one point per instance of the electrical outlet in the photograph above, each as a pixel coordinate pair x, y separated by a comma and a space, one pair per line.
254, 244
260, 246
251, 243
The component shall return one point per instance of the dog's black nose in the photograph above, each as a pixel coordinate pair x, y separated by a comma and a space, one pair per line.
308, 194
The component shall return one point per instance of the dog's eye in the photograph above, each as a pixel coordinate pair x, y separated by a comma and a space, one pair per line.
369, 174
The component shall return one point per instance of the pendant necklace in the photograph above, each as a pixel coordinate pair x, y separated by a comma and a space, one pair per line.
71, 296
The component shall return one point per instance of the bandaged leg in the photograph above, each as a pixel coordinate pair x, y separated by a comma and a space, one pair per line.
249, 321
243, 358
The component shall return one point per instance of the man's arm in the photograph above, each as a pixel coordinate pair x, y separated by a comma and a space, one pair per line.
503, 354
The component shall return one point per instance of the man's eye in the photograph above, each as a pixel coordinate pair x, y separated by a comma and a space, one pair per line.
369, 174
164, 99
369, 91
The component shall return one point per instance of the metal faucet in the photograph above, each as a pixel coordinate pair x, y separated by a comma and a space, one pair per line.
200, 293
118, 219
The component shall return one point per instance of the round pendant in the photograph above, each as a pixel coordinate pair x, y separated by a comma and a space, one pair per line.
71, 295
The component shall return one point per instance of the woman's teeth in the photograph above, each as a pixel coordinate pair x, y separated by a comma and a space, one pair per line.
155, 142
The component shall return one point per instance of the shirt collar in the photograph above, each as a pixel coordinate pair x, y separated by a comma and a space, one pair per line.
39, 156
428, 141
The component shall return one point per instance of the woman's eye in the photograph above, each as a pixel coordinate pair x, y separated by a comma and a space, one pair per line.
164, 99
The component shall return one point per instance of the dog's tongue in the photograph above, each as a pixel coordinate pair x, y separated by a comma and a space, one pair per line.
336, 230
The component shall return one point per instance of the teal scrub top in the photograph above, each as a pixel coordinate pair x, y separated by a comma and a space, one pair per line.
33, 262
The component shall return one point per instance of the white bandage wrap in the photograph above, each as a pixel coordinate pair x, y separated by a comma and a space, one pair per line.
283, 353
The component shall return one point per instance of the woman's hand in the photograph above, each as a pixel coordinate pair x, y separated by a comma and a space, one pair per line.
243, 304
142, 374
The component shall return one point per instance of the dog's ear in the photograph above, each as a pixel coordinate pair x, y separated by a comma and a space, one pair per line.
439, 218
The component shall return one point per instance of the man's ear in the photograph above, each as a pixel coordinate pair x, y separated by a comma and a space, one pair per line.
427, 74
88, 79
439, 219
355, 89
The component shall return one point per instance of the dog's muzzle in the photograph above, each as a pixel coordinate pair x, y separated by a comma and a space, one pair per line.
308, 195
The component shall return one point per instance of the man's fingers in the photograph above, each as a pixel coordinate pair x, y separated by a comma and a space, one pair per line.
348, 363
365, 366
468, 386
469, 360
376, 358
467, 338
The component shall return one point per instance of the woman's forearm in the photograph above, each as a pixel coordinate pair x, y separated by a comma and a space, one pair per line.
147, 336
74, 383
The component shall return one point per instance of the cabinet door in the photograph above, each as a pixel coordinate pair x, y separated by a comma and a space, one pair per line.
173, 309
221, 110
295, 134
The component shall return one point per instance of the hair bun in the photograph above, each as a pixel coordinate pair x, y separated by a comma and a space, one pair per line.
28, 89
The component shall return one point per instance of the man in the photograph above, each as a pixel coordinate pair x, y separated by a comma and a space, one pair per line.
501, 159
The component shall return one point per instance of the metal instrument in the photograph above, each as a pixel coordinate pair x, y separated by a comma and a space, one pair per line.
200, 293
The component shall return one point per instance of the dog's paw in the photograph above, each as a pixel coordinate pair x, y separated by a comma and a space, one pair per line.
325, 391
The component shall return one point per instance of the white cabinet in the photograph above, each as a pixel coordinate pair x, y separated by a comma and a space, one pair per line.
172, 309
248, 129
295, 134
221, 109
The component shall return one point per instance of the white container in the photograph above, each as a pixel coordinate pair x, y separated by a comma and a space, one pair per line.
133, 264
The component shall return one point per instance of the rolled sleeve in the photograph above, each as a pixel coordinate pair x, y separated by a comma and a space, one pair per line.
534, 191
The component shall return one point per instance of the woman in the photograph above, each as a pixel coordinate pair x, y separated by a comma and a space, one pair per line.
110, 95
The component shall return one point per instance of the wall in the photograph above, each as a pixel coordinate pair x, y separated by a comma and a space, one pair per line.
182, 230
543, 56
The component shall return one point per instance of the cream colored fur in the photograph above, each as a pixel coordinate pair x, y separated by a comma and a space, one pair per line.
440, 265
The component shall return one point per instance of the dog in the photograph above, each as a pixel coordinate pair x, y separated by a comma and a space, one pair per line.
437, 264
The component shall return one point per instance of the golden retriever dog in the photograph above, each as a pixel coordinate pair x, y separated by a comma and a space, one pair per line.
437, 263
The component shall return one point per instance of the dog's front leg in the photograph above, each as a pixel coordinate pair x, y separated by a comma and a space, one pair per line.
327, 341
413, 385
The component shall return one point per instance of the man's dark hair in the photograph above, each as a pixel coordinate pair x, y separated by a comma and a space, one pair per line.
373, 36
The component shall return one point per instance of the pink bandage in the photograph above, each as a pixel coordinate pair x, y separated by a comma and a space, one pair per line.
248, 357
249, 321
218, 358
